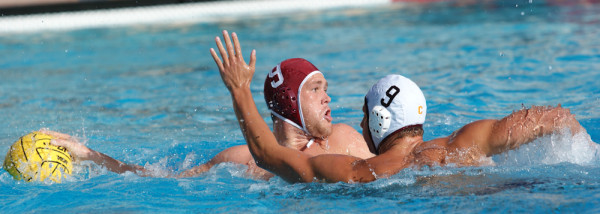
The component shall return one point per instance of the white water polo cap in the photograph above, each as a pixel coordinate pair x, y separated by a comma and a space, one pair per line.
393, 103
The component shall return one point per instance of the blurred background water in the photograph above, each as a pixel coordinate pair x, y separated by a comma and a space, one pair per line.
151, 95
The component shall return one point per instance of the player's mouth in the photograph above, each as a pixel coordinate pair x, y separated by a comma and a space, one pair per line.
327, 115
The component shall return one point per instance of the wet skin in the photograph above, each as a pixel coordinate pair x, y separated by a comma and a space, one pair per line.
329, 138
484, 138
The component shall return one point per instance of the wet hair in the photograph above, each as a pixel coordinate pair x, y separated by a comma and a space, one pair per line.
409, 131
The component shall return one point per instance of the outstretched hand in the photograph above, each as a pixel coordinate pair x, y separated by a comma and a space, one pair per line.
234, 70
77, 149
81, 152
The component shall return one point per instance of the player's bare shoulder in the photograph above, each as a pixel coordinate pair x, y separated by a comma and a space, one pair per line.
432, 153
345, 134
237, 154
343, 129
350, 141
241, 155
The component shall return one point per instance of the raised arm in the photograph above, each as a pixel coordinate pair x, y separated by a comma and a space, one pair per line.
520, 127
290, 164
81, 152
268, 154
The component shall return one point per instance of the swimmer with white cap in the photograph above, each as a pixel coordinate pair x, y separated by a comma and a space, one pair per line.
394, 113
296, 94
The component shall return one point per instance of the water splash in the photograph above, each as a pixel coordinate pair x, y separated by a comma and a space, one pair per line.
188, 161
159, 169
553, 149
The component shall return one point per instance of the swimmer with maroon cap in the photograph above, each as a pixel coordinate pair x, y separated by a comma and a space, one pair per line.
296, 94
283, 87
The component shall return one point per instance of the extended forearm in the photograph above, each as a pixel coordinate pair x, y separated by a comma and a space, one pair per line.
113, 164
526, 125
252, 125
290, 164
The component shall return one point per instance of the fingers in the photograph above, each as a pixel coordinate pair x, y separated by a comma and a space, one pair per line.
222, 51
217, 60
228, 44
252, 59
237, 46
231, 59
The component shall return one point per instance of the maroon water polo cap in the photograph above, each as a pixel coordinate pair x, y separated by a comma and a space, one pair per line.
282, 88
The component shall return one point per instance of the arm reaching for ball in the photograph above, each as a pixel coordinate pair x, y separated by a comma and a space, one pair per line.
81, 152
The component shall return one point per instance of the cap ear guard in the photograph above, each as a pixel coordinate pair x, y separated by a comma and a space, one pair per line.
379, 121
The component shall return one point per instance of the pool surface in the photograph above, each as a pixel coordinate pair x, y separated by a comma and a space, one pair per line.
150, 94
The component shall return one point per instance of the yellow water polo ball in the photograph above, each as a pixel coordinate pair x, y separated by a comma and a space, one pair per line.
33, 158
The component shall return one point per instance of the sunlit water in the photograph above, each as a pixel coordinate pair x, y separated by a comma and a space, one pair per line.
151, 95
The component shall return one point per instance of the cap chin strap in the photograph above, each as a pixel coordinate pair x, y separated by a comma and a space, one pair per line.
299, 96
310, 142
288, 121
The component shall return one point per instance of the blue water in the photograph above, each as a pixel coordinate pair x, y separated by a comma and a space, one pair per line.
151, 95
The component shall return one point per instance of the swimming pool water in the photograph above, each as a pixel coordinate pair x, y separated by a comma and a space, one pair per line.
151, 95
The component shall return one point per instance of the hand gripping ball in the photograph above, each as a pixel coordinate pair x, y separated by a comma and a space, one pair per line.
33, 158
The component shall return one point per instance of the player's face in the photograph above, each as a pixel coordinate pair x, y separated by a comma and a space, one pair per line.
315, 106
364, 124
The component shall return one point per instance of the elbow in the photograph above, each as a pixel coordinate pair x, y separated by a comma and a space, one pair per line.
258, 156
356, 178
261, 164
361, 172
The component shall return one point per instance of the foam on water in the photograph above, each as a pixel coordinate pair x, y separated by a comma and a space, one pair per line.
553, 149
151, 95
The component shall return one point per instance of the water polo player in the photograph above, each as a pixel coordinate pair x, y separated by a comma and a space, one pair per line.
296, 94
394, 113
